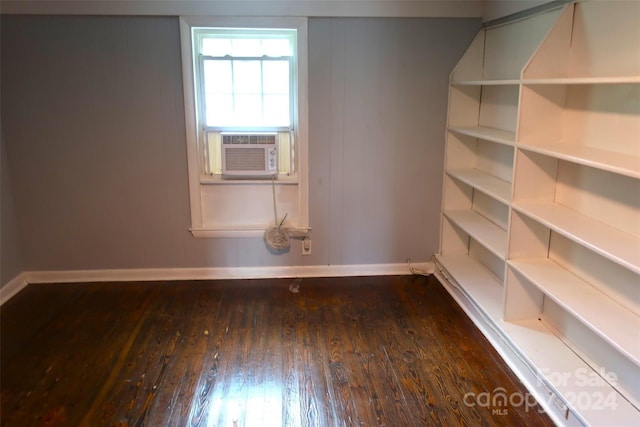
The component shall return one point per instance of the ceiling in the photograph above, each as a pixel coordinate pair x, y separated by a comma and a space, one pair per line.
364, 8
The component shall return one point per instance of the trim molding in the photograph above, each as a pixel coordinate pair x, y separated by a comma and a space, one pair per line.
13, 286
215, 273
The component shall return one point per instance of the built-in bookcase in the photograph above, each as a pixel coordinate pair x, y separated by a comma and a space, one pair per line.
540, 239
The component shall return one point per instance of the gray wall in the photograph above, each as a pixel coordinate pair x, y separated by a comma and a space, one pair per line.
10, 250
93, 120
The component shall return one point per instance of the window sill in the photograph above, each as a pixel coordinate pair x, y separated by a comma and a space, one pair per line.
203, 233
218, 180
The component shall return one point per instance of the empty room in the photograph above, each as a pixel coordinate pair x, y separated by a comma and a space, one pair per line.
319, 213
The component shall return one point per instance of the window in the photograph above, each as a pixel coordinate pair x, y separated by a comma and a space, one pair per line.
244, 76
245, 82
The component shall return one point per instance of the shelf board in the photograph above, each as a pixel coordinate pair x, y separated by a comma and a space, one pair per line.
488, 134
484, 182
550, 356
480, 82
535, 344
550, 81
613, 322
611, 161
610, 242
580, 80
481, 229
478, 282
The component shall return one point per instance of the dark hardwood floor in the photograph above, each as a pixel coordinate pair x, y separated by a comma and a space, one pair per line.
369, 351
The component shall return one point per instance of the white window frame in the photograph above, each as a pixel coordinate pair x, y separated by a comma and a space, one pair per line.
198, 179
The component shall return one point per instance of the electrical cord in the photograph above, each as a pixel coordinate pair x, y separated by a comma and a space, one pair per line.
276, 237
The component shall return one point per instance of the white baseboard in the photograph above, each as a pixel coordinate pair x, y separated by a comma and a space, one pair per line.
11, 288
217, 273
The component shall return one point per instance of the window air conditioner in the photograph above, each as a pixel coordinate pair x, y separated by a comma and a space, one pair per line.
249, 155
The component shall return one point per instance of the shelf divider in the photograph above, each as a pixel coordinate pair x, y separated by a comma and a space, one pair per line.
485, 182
589, 305
610, 242
489, 134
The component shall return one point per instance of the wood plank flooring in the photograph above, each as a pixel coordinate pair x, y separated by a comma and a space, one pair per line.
368, 351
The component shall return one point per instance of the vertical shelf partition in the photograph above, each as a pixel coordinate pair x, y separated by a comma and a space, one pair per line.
540, 239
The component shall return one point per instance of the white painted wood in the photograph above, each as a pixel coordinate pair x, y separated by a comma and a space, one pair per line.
499, 107
603, 116
508, 47
489, 134
495, 159
488, 207
563, 371
522, 301
620, 372
615, 281
493, 263
469, 68
481, 82
606, 39
551, 59
13, 287
571, 107
580, 80
478, 282
527, 238
613, 244
458, 195
481, 229
460, 151
603, 196
583, 301
544, 363
534, 177
464, 103
221, 273
618, 163
454, 241
514, 358
482, 181
206, 199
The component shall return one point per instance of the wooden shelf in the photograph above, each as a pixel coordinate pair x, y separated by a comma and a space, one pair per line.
485, 82
481, 229
618, 163
478, 282
541, 195
590, 306
613, 244
551, 357
484, 182
488, 134
581, 80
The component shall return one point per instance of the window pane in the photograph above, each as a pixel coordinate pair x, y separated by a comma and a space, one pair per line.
248, 110
247, 47
276, 77
276, 110
217, 77
246, 77
276, 47
219, 109
216, 47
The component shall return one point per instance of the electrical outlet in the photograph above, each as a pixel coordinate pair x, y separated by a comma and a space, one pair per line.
306, 246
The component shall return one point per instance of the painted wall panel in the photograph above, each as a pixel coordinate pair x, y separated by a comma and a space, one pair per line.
93, 119
10, 247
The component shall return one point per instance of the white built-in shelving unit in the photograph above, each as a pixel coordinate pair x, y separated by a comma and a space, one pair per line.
540, 237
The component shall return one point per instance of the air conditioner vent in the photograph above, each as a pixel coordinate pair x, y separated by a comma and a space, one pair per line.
249, 139
249, 155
